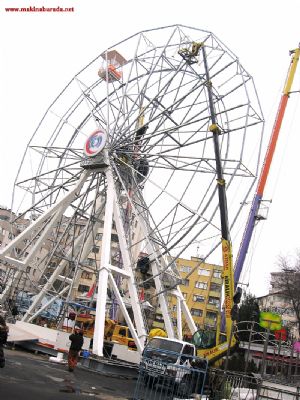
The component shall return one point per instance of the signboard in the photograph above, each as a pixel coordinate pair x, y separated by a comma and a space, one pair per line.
95, 143
281, 334
270, 321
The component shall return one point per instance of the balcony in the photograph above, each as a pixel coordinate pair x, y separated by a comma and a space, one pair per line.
210, 321
212, 307
214, 293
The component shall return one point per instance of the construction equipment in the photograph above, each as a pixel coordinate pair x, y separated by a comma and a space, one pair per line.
213, 344
113, 332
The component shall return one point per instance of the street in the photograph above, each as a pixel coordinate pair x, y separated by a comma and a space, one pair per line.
32, 377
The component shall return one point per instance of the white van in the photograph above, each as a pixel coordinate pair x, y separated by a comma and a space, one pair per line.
168, 359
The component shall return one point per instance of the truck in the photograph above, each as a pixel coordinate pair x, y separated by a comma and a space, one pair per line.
113, 331
214, 344
173, 363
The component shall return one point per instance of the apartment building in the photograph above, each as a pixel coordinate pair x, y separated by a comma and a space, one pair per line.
275, 301
201, 286
37, 268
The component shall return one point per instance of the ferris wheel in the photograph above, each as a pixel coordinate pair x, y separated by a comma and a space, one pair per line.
128, 145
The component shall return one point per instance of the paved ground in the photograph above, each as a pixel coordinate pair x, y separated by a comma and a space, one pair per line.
27, 376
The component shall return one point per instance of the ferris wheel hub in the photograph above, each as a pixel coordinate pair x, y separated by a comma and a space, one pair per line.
98, 162
92, 150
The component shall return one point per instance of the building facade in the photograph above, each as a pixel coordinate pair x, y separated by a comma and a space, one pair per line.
201, 286
277, 302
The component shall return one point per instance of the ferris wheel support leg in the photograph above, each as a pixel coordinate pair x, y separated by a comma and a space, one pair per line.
104, 268
179, 320
32, 317
139, 344
56, 208
36, 303
155, 272
134, 298
88, 242
55, 211
162, 300
185, 310
55, 275
21, 265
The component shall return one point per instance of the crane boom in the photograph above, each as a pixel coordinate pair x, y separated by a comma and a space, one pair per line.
213, 346
266, 166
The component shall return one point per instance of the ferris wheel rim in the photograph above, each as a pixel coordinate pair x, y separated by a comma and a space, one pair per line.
147, 152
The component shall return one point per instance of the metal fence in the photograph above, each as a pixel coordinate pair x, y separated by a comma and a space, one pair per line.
170, 376
276, 360
231, 385
221, 385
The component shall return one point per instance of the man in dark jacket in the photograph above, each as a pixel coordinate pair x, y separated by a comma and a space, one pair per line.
3, 339
75, 347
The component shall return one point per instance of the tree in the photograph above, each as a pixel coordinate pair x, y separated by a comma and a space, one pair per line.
287, 282
248, 311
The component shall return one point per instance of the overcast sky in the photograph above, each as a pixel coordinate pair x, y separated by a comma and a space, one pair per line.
41, 52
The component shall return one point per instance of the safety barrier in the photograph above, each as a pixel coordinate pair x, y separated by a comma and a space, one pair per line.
232, 386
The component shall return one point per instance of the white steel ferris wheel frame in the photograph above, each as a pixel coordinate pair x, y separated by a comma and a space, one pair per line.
112, 211
163, 84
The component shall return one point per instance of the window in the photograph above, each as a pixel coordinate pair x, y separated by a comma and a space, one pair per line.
95, 249
28, 270
83, 288
21, 227
114, 238
211, 315
147, 296
123, 332
199, 299
86, 275
185, 268
4, 217
98, 236
167, 345
130, 335
217, 274
91, 262
214, 300
215, 287
201, 285
203, 272
174, 308
196, 312
185, 282
184, 295
188, 350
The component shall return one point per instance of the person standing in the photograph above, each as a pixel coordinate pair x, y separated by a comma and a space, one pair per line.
75, 347
3, 340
